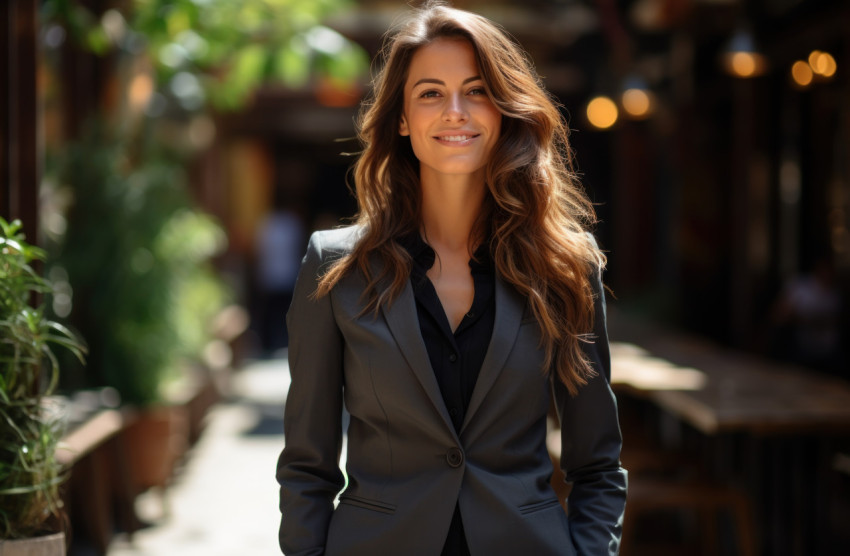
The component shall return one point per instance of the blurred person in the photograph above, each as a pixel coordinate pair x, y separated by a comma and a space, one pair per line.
280, 242
466, 297
807, 319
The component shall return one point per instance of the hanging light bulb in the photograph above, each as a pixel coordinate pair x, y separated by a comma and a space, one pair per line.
801, 73
741, 58
822, 63
637, 99
602, 112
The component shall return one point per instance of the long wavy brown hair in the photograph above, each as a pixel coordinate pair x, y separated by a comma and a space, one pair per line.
535, 212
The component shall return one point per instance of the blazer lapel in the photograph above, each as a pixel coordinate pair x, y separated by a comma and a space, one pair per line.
509, 309
404, 326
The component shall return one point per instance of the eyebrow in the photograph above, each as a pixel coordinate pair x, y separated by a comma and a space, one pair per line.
438, 82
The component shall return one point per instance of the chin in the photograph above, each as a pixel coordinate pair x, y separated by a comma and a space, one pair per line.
460, 168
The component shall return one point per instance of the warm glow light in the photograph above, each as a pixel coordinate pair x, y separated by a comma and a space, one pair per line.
636, 103
741, 57
822, 63
602, 112
743, 64
801, 73
813, 59
141, 89
831, 65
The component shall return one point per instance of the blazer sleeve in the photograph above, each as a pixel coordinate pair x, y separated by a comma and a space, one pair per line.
590, 448
308, 468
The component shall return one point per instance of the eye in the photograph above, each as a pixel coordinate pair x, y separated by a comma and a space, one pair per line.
429, 94
478, 91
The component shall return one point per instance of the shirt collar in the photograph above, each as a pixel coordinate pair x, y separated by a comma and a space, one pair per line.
423, 255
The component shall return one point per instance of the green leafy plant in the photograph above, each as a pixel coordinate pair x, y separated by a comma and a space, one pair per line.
220, 51
29, 472
136, 256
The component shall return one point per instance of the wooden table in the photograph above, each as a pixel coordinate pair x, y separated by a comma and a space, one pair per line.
717, 390
785, 419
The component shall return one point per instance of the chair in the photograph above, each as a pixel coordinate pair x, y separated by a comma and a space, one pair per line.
705, 498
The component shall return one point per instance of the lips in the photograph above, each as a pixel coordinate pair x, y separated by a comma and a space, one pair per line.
456, 138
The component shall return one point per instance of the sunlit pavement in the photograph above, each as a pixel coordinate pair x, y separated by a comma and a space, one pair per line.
224, 499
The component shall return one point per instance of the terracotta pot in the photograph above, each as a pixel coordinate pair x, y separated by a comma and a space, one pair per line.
155, 439
47, 545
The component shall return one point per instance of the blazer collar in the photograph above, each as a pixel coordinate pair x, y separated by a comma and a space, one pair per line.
509, 308
404, 326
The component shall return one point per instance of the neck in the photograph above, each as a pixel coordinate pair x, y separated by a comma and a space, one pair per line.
450, 206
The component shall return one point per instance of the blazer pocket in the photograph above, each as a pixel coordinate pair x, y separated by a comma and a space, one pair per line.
368, 504
538, 506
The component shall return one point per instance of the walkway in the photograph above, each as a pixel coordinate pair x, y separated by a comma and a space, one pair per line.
224, 501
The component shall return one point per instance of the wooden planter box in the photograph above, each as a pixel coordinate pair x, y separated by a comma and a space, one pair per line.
154, 440
98, 495
116, 454
48, 545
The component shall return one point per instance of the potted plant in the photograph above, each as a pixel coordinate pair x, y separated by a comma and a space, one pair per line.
136, 256
30, 474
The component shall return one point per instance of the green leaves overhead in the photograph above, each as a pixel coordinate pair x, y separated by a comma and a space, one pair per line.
232, 47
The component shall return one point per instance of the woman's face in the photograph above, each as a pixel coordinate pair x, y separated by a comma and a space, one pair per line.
452, 123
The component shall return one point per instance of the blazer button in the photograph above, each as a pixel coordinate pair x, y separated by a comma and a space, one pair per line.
454, 457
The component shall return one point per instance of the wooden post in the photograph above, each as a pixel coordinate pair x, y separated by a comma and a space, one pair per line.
19, 127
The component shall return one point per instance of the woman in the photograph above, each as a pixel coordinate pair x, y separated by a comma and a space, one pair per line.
465, 299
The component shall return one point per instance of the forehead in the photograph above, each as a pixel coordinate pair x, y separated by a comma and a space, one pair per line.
444, 59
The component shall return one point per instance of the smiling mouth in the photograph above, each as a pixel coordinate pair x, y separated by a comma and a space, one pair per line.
456, 138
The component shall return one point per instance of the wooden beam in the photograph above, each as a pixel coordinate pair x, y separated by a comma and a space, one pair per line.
5, 104
19, 125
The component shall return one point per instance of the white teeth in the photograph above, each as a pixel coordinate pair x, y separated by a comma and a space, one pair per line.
456, 137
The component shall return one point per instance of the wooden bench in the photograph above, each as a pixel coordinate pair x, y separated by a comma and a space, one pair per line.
98, 494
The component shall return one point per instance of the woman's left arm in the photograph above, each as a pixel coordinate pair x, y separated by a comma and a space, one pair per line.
590, 451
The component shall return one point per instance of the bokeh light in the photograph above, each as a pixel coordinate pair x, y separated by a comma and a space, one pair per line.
822, 63
140, 90
637, 103
745, 64
801, 73
602, 112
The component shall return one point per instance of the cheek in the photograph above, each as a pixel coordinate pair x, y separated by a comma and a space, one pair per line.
495, 125
496, 121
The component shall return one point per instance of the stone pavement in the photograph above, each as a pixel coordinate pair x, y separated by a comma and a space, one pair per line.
223, 502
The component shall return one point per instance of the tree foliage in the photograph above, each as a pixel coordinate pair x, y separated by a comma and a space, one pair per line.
219, 51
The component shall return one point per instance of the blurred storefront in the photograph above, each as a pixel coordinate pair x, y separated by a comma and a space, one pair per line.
713, 135
721, 177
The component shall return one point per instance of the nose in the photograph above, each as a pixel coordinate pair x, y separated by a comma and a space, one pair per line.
455, 108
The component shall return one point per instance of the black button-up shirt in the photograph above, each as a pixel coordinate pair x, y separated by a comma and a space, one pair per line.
455, 357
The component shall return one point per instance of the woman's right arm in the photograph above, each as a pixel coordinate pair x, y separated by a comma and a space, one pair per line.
308, 468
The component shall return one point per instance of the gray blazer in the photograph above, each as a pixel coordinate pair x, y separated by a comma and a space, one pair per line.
406, 466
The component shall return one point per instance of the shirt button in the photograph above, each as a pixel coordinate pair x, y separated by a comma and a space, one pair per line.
453, 412
454, 457
453, 358
470, 315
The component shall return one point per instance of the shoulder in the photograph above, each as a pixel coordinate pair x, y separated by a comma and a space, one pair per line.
595, 256
329, 245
